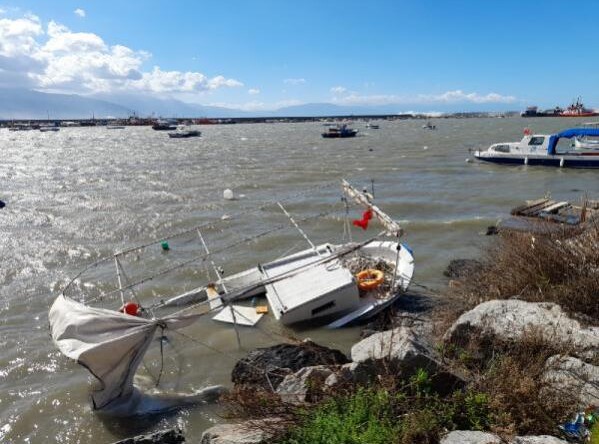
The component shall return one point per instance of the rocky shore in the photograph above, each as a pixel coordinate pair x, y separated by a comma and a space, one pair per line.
512, 351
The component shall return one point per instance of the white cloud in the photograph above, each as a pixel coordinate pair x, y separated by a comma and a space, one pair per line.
253, 91
58, 59
294, 81
258, 106
80, 12
457, 96
460, 96
176, 81
338, 90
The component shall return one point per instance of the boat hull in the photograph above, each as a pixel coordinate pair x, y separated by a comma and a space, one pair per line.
564, 161
338, 136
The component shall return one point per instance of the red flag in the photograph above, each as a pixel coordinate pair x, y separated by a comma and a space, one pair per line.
363, 223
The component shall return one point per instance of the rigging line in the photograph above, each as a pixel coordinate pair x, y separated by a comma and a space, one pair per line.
161, 356
239, 214
227, 354
202, 257
205, 224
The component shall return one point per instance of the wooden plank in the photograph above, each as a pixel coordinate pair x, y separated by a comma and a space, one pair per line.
528, 205
553, 208
537, 209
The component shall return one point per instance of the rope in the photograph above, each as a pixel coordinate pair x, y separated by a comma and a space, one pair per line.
181, 264
161, 356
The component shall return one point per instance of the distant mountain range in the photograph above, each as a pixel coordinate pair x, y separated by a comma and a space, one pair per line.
28, 104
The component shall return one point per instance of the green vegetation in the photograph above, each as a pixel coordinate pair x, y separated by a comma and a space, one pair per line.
409, 414
505, 391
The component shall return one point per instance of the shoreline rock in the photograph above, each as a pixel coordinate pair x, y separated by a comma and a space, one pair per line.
281, 360
511, 319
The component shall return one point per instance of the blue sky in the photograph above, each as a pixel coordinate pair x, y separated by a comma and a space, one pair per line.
263, 54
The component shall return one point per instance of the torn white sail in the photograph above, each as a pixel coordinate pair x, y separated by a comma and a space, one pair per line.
108, 343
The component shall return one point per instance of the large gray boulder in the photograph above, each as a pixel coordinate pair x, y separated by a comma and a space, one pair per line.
248, 432
511, 319
573, 377
304, 385
473, 437
400, 343
470, 437
405, 354
268, 366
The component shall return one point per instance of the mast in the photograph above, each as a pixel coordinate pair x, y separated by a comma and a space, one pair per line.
360, 198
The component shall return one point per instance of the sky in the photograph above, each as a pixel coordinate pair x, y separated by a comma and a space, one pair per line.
267, 54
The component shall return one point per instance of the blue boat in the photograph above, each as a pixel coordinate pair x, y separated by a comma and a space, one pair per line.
545, 149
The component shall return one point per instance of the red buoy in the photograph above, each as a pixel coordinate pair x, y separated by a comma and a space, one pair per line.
130, 308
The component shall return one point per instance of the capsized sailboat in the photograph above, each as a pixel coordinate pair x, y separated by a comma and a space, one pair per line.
335, 283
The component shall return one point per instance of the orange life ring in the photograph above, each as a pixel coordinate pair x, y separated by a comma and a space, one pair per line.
369, 279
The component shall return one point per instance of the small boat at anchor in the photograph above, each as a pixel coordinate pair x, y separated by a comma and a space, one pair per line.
429, 126
183, 132
544, 149
164, 125
340, 131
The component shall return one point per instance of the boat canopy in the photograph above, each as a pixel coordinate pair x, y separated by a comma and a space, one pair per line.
568, 134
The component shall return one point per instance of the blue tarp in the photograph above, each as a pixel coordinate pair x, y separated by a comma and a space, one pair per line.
568, 134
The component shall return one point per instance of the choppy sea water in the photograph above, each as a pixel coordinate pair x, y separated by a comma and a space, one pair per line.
83, 193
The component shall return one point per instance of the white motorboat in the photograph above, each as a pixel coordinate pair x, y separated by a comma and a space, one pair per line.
184, 131
339, 282
544, 149
49, 128
428, 125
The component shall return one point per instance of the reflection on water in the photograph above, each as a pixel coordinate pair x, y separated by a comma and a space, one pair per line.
84, 193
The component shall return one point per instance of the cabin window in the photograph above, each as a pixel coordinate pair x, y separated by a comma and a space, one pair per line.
323, 307
536, 141
502, 148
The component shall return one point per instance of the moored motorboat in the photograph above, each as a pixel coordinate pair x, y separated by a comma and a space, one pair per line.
49, 128
544, 149
164, 125
183, 132
340, 131
428, 125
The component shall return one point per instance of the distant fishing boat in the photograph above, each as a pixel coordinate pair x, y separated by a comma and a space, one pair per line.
542, 149
184, 132
341, 131
428, 125
577, 109
48, 128
165, 125
372, 125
